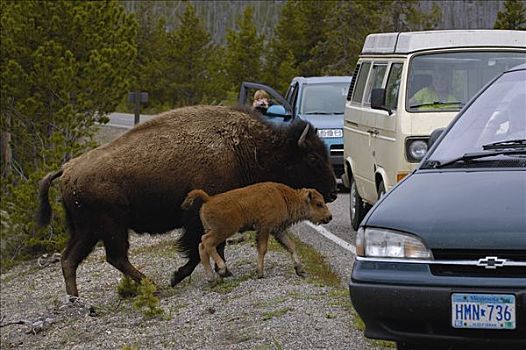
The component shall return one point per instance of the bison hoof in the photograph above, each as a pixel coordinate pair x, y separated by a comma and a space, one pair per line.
261, 275
227, 273
176, 278
224, 273
300, 271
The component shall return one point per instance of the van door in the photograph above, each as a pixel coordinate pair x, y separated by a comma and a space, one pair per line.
357, 139
365, 172
385, 149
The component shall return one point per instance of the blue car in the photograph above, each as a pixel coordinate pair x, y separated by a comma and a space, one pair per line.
441, 258
318, 100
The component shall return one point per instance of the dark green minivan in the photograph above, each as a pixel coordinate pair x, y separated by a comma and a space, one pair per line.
441, 258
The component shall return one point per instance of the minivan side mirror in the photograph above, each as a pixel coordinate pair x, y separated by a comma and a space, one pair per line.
434, 136
277, 111
378, 100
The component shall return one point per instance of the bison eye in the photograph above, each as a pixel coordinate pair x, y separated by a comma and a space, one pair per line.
319, 205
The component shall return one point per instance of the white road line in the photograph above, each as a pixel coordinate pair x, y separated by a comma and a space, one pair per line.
329, 235
118, 126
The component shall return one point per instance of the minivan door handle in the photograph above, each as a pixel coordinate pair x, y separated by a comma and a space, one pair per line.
373, 132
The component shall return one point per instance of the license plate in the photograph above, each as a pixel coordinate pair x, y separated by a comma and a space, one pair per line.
489, 311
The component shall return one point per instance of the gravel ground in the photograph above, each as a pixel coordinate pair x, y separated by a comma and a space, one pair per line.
280, 311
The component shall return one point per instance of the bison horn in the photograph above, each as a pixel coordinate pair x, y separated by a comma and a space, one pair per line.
301, 141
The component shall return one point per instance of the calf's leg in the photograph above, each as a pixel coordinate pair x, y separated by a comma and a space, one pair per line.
262, 244
205, 261
221, 251
209, 242
285, 241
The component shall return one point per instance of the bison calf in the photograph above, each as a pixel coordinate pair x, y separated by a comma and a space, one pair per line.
266, 207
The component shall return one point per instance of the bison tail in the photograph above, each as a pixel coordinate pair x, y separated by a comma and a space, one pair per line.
193, 195
44, 208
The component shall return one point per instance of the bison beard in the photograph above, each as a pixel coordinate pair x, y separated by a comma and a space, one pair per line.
139, 180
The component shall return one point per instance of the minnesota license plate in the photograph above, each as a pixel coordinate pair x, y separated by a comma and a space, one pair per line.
489, 311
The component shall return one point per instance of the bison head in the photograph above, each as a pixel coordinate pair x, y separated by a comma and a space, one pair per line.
307, 161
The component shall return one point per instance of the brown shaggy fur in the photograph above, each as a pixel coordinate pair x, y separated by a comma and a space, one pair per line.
139, 180
266, 207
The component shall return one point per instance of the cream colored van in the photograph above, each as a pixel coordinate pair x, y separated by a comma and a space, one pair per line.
405, 86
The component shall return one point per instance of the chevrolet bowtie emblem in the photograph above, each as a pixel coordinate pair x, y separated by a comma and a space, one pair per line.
491, 262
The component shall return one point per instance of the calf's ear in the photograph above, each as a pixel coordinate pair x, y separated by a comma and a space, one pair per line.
308, 195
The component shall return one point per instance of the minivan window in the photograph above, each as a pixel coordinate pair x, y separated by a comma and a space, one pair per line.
446, 81
393, 86
496, 120
360, 82
375, 80
324, 98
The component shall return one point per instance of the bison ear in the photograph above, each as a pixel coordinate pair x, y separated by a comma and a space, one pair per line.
301, 141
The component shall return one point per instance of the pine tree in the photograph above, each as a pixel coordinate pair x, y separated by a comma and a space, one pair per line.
300, 29
64, 65
243, 52
513, 16
190, 46
349, 22
151, 63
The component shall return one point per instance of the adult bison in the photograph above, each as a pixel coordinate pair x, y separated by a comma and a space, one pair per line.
139, 180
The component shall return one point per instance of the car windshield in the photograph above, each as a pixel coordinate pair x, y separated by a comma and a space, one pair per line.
447, 81
324, 98
492, 129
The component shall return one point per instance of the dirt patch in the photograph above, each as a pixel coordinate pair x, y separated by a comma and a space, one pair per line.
280, 311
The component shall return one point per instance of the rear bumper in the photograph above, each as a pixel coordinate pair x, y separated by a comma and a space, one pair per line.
422, 313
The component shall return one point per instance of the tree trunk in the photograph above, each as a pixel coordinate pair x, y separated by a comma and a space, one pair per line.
6, 153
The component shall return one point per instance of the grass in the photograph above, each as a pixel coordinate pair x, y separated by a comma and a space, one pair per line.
275, 313
231, 283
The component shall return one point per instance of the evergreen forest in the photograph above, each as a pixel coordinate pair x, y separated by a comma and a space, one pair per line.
65, 65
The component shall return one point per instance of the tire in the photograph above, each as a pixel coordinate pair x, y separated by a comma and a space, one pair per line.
357, 209
381, 189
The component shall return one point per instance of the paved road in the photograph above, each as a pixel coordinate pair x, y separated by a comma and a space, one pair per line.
126, 120
335, 241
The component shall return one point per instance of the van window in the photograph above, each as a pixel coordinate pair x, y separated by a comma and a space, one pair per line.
376, 79
446, 81
393, 86
360, 82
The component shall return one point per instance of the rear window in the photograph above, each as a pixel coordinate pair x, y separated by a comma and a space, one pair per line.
326, 98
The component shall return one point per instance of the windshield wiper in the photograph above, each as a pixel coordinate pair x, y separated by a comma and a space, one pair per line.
518, 143
437, 103
473, 156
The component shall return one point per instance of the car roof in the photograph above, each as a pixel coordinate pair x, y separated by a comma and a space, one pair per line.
323, 79
407, 42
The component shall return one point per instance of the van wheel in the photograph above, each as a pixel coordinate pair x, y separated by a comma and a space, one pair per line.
381, 189
356, 207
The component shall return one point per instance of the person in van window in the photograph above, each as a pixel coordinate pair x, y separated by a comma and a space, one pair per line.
439, 92
261, 101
